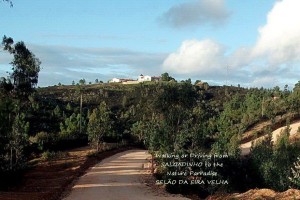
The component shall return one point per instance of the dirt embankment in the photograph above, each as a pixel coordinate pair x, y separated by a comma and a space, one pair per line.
257, 130
245, 148
262, 194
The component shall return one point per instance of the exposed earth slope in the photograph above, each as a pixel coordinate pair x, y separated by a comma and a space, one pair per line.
245, 148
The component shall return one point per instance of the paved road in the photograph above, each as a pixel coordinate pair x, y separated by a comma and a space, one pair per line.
245, 148
117, 178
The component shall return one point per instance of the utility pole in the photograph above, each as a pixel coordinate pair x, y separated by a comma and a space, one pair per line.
80, 112
262, 107
227, 74
226, 83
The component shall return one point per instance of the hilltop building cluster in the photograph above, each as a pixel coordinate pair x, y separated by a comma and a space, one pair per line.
141, 78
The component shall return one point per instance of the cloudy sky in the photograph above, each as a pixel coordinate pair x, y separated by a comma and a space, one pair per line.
253, 43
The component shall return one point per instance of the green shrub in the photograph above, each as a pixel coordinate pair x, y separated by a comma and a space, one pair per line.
41, 139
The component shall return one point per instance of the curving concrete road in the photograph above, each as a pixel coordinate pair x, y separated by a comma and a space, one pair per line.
245, 148
117, 178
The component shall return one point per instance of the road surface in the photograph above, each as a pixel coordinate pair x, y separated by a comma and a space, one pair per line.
118, 178
245, 148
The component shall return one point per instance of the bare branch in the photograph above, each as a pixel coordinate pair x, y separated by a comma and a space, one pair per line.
9, 1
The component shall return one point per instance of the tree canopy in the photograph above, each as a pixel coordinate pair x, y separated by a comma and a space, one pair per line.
166, 77
99, 124
25, 66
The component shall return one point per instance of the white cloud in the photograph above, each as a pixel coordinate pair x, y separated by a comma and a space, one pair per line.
279, 39
202, 57
197, 12
240, 58
273, 59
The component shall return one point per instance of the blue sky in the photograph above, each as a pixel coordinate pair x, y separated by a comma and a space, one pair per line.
196, 39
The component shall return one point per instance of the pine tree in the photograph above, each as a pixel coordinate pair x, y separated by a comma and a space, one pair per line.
57, 111
25, 66
70, 128
18, 141
99, 125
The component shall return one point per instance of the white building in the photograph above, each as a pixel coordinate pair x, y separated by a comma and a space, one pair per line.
115, 80
143, 78
119, 80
